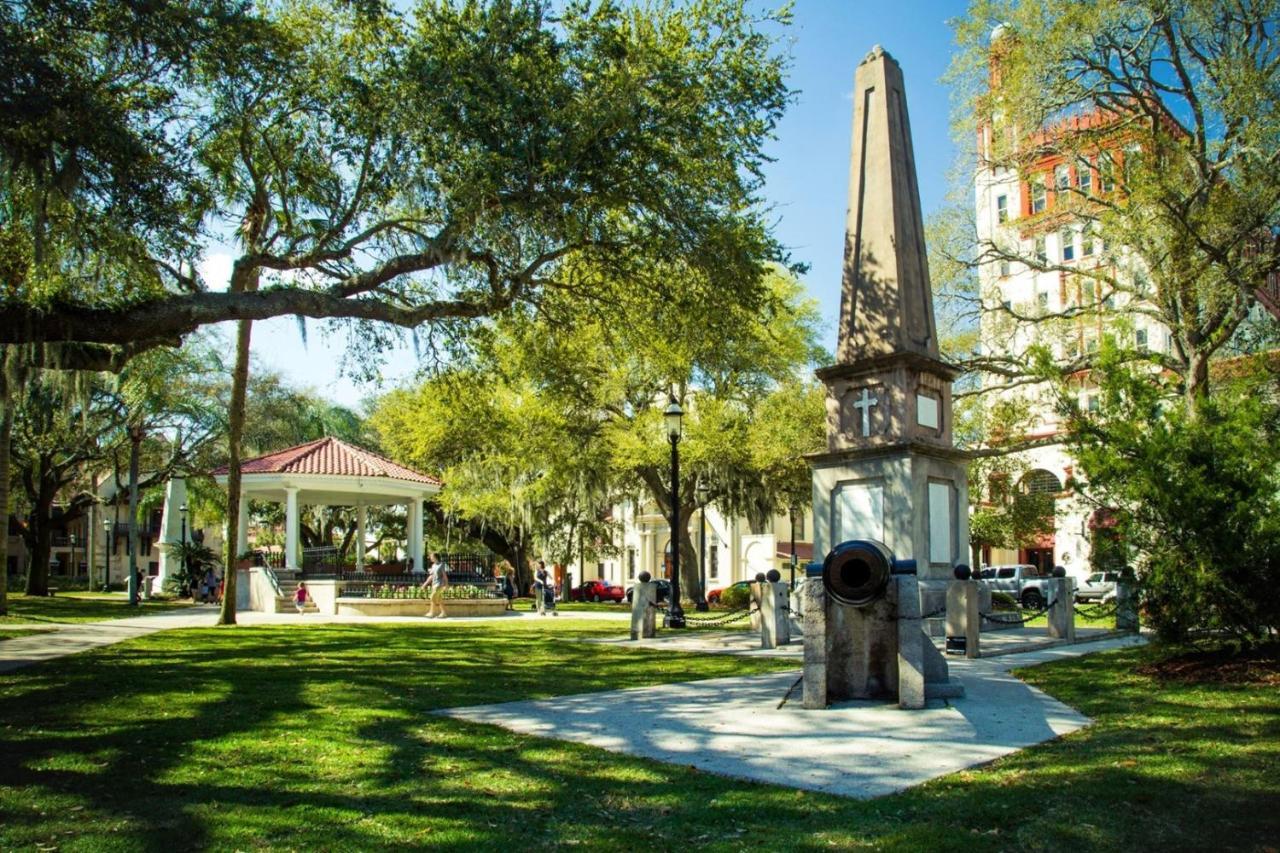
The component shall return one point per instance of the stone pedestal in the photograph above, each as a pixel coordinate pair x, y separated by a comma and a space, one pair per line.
1062, 615
875, 651
964, 618
1126, 606
644, 595
775, 624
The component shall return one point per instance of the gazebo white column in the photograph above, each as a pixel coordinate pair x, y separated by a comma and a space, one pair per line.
361, 515
291, 528
415, 534
242, 526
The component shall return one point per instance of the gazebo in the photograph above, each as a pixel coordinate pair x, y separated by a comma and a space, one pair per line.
330, 472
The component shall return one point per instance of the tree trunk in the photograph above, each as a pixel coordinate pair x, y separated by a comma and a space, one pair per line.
135, 450
6, 432
1197, 383
41, 534
235, 430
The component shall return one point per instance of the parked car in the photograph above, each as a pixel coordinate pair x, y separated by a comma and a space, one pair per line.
1025, 582
1099, 586
598, 590
664, 590
713, 597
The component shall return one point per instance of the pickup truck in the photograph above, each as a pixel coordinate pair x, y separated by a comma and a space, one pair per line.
1099, 586
1024, 582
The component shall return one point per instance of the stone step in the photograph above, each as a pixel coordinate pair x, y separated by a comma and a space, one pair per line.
284, 604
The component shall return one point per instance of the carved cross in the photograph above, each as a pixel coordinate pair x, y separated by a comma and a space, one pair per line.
864, 404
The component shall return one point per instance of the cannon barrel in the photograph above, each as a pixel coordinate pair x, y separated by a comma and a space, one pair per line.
856, 572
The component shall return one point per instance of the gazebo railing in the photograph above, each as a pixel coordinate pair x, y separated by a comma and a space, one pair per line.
322, 560
474, 571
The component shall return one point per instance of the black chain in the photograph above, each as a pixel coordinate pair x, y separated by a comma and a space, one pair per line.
1098, 611
1023, 619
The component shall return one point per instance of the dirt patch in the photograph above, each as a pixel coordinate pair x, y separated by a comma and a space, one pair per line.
1260, 665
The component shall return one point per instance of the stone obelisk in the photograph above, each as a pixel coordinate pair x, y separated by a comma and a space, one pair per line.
890, 471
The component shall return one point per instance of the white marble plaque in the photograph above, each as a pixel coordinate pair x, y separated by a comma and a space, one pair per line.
940, 523
859, 510
926, 411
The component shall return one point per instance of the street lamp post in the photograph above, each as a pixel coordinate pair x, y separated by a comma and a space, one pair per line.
702, 493
106, 555
75, 567
672, 416
182, 513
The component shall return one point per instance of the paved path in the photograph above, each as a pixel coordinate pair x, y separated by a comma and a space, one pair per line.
747, 643
863, 749
69, 638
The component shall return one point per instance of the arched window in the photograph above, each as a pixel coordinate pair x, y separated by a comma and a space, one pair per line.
1041, 482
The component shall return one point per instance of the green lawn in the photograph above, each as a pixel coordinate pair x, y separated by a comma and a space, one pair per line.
319, 737
80, 607
10, 633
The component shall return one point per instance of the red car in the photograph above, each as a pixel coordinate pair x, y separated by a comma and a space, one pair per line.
596, 591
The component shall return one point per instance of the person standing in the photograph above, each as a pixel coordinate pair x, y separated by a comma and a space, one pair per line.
505, 585
438, 577
548, 597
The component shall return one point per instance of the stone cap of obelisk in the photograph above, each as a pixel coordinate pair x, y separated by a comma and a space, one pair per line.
886, 305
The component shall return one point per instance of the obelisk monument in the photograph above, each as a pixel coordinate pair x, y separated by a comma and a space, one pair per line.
890, 472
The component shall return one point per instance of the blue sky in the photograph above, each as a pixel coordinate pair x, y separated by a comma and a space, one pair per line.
807, 183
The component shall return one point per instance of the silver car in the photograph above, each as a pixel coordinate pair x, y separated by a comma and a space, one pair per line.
1099, 586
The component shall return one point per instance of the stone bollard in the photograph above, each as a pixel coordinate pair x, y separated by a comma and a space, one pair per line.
644, 595
964, 614
1126, 605
755, 602
775, 626
1062, 615
814, 685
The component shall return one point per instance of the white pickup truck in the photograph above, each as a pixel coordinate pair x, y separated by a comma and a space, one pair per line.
1024, 582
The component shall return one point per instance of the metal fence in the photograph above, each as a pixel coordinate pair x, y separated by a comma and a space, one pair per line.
471, 574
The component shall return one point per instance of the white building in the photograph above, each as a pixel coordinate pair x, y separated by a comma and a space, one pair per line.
733, 551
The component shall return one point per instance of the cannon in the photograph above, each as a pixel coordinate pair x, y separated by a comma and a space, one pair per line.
857, 572
863, 636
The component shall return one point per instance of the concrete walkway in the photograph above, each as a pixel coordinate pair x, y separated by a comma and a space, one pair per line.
732, 726
50, 640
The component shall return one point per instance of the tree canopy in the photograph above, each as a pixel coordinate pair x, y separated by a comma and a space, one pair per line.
420, 168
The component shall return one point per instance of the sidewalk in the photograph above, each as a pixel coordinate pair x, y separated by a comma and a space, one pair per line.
863, 749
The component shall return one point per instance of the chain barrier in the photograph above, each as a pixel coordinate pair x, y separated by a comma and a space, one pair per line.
1098, 611
720, 619
1021, 620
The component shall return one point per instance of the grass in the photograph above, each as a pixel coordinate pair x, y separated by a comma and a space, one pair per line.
10, 633
319, 737
80, 607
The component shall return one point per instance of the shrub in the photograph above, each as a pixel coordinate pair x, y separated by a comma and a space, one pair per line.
1003, 601
735, 597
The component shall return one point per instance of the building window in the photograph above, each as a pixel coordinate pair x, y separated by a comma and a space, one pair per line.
1140, 339
1041, 482
1061, 178
1086, 243
1093, 404
1106, 173
1042, 254
1068, 241
1004, 267
631, 563
1090, 344
1002, 209
1038, 196
1110, 302
1088, 293
1084, 177
1042, 300
713, 569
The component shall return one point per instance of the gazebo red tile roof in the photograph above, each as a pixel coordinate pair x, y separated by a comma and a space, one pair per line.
332, 457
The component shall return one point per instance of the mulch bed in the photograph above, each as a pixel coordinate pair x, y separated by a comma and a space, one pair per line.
1225, 665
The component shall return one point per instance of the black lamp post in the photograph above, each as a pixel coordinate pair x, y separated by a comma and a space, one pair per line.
672, 416
106, 555
702, 493
75, 567
182, 513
